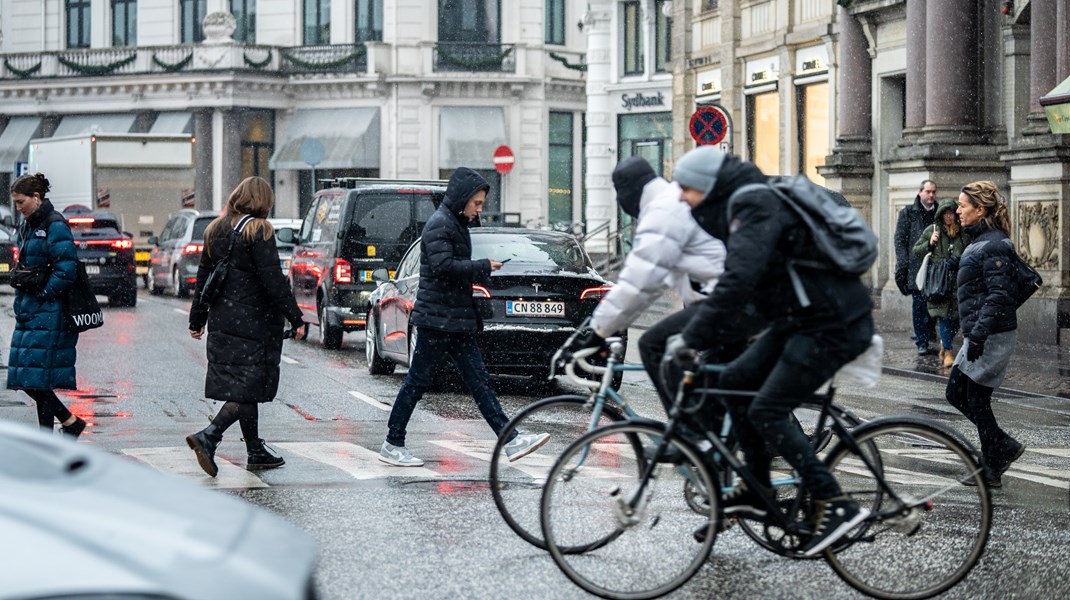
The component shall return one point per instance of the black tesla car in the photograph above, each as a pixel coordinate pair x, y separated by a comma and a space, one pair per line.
531, 306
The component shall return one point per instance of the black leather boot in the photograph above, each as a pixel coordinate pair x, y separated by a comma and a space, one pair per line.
261, 457
203, 443
74, 429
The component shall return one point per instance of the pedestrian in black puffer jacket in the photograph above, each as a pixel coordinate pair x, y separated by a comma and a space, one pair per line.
988, 315
245, 323
804, 345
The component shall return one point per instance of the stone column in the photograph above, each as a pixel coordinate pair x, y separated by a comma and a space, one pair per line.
952, 96
229, 140
202, 130
915, 89
855, 107
601, 137
1062, 41
1043, 49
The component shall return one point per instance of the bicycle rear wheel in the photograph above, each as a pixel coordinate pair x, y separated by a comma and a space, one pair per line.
594, 493
516, 487
929, 530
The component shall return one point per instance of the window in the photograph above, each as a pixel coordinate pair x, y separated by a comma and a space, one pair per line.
244, 12
257, 143
559, 193
763, 131
382, 217
813, 115
632, 33
192, 13
369, 21
124, 22
78, 23
709, 4
662, 37
555, 22
473, 21
317, 22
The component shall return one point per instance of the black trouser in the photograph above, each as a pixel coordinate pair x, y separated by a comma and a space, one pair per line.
786, 366
49, 408
975, 401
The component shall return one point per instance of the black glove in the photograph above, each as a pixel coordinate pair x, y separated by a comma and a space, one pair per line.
974, 350
952, 262
586, 338
681, 353
901, 281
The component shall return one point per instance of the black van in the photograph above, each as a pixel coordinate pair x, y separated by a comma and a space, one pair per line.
351, 229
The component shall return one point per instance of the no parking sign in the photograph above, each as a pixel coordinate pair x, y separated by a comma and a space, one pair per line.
709, 125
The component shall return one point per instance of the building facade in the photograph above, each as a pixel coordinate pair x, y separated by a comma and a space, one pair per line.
297, 90
871, 97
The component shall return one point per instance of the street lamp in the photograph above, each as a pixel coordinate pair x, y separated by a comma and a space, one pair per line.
1056, 105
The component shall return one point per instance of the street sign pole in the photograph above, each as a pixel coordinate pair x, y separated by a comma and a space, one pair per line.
312, 153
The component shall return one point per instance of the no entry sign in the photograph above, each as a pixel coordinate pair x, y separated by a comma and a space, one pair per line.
503, 159
709, 125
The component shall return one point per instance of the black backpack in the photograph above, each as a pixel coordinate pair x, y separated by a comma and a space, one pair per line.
1026, 279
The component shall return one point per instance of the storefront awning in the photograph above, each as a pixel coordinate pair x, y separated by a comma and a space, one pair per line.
103, 123
15, 139
468, 136
173, 122
350, 138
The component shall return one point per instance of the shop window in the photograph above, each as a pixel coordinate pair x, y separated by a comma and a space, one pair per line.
632, 35
317, 21
813, 123
369, 27
559, 193
192, 12
244, 12
763, 131
662, 37
78, 23
124, 22
648, 135
555, 22
257, 143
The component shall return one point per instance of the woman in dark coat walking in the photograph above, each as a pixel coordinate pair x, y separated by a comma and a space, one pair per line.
988, 314
42, 350
245, 323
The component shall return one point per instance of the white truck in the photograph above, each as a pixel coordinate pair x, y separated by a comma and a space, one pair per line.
142, 178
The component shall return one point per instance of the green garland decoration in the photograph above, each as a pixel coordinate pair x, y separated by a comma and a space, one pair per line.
256, 64
322, 65
568, 65
96, 69
22, 73
172, 67
490, 61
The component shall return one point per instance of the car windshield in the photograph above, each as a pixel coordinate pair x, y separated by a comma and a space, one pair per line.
560, 251
199, 226
5, 235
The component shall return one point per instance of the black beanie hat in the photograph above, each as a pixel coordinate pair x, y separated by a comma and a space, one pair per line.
629, 178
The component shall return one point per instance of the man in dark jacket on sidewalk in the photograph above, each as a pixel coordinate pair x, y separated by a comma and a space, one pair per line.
912, 222
804, 345
447, 319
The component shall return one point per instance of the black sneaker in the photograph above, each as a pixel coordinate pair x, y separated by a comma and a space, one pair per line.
833, 518
1014, 452
992, 480
741, 502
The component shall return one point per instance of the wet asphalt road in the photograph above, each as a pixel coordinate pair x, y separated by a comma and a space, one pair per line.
434, 532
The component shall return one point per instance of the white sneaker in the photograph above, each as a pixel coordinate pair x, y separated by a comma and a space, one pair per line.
399, 456
524, 444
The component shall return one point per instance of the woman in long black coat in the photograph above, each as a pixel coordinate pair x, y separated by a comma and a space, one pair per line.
245, 323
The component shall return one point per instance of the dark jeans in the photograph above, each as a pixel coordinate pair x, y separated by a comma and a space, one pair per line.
948, 329
431, 346
975, 401
923, 323
49, 408
785, 366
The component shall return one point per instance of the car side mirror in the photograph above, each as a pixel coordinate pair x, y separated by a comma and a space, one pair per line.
286, 235
380, 275
154, 241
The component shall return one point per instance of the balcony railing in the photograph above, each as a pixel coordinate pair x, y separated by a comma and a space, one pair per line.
474, 57
338, 58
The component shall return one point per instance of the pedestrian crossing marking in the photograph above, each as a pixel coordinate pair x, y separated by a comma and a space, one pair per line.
536, 465
373, 401
180, 461
1059, 452
288, 360
358, 461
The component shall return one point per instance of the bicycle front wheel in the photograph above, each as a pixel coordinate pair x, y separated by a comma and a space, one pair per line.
929, 523
516, 487
595, 492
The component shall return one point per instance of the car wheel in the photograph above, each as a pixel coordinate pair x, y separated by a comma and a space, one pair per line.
377, 365
180, 290
330, 337
154, 287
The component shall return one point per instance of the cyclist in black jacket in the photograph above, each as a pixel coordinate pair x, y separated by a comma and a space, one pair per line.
803, 345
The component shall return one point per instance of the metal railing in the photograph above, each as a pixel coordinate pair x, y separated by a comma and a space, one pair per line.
334, 58
612, 258
474, 57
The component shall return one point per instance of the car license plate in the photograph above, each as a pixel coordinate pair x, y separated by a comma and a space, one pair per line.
142, 256
534, 309
4, 267
92, 270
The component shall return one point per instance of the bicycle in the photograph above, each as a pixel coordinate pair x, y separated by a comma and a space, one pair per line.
908, 471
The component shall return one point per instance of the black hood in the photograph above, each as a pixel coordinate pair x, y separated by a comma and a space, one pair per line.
629, 178
711, 214
464, 183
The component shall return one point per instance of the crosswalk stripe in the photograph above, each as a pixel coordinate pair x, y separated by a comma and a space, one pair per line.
357, 461
288, 360
180, 311
373, 401
179, 460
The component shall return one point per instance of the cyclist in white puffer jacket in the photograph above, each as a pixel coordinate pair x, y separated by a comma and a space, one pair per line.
670, 250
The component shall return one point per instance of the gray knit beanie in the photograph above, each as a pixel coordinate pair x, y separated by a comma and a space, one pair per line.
698, 168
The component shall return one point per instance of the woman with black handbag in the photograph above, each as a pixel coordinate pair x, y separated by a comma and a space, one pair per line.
43, 350
245, 320
946, 240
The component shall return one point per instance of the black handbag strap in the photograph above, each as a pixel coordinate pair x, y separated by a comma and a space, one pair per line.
238, 228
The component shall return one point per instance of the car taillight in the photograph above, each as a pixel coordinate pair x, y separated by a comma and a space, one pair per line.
122, 244
81, 220
193, 249
15, 254
343, 271
479, 291
595, 293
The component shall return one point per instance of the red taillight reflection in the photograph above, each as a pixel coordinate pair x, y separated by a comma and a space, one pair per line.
193, 249
595, 293
479, 291
343, 271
